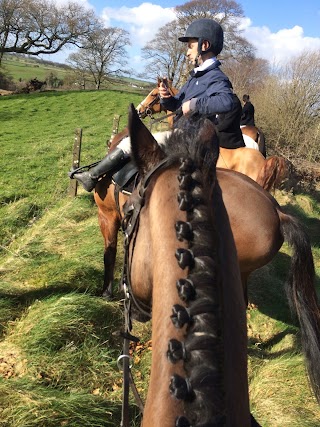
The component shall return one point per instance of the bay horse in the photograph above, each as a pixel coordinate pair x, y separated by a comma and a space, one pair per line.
269, 173
258, 235
183, 264
257, 250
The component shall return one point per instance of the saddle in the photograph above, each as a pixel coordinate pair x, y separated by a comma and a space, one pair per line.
125, 179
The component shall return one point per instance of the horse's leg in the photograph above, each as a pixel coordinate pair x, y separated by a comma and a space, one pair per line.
244, 280
109, 231
109, 222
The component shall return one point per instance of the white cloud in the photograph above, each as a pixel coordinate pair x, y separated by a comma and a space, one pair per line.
85, 3
142, 21
281, 46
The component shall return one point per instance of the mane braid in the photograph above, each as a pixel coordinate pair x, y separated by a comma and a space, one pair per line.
202, 351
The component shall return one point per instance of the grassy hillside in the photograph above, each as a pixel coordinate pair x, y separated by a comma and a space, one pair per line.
58, 350
27, 68
24, 68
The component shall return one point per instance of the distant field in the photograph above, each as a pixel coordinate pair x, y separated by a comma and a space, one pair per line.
27, 69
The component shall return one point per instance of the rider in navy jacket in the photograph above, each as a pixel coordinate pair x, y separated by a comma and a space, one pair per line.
208, 92
227, 127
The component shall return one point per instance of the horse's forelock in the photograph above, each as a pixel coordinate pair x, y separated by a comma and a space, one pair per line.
194, 137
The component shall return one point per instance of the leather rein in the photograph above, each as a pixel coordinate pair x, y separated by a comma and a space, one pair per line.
130, 226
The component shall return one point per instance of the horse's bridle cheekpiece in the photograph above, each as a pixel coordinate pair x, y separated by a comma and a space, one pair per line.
130, 225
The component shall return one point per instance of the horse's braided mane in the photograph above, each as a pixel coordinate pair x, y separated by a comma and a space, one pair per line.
202, 389
194, 137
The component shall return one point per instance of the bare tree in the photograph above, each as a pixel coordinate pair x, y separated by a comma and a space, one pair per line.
289, 108
165, 53
247, 75
103, 55
37, 27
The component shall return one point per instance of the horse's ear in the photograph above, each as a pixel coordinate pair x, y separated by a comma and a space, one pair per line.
171, 79
159, 80
208, 132
145, 149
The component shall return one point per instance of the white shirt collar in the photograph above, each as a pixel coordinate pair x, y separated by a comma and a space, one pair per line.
205, 65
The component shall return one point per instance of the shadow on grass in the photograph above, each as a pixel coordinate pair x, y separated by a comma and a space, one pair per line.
18, 299
266, 289
51, 407
311, 225
262, 350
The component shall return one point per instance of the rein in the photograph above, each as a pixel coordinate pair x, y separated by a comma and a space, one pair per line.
130, 226
160, 119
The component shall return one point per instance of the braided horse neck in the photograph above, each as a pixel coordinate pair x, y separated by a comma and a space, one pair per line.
192, 382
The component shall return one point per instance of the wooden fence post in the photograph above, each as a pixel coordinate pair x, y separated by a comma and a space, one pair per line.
73, 186
115, 128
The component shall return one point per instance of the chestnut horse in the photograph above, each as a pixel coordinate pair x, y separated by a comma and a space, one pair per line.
183, 264
269, 173
190, 277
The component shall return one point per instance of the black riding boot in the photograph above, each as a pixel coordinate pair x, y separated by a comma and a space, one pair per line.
111, 163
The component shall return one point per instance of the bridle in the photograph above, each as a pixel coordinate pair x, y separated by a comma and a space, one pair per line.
130, 226
148, 110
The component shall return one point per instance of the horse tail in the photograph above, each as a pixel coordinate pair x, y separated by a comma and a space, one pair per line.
302, 297
273, 172
262, 143
202, 351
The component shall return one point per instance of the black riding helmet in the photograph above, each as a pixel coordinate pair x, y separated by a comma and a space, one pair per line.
205, 29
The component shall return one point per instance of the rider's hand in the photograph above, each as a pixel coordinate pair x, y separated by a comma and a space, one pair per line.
163, 90
186, 108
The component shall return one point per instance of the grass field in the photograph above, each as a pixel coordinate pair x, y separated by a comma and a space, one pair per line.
58, 350
21, 68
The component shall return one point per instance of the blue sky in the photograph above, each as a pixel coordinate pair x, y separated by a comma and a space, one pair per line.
278, 29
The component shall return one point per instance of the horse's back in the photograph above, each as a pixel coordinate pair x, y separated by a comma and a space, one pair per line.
245, 160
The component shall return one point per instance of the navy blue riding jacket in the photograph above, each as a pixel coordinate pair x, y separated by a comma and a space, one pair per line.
211, 88
212, 95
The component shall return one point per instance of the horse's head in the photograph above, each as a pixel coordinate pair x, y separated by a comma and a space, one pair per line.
179, 265
151, 103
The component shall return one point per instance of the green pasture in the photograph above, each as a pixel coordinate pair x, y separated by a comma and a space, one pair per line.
58, 347
25, 69
21, 68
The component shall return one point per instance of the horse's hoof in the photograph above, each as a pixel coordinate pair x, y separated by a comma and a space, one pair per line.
107, 295
139, 316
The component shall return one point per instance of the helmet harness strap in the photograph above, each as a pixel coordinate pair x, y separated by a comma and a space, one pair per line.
200, 51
